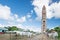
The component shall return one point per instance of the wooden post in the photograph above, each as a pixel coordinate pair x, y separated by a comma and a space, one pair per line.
10, 35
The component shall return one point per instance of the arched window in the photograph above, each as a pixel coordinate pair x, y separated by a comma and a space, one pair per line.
43, 21
2, 30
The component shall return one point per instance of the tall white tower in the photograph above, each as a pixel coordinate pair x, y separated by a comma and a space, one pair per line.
43, 19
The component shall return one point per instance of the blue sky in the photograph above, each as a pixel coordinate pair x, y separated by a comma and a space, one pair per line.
27, 13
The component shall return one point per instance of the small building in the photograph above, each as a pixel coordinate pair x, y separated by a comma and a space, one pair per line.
3, 30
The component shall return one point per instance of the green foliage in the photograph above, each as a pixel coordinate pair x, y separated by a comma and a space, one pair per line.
27, 30
58, 30
20, 29
32, 32
48, 30
12, 28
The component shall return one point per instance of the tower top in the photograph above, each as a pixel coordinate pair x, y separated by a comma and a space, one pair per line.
44, 7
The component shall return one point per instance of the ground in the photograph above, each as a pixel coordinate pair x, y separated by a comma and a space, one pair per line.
19, 37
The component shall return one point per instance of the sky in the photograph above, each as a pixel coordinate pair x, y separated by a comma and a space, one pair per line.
27, 14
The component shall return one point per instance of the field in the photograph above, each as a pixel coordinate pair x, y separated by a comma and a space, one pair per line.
19, 37
13, 37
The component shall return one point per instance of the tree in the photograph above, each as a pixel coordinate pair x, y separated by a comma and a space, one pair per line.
57, 29
20, 29
12, 28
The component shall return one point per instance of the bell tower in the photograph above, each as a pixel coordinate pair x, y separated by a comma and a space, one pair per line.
43, 19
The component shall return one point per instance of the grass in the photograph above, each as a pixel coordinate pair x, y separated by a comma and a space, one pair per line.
59, 38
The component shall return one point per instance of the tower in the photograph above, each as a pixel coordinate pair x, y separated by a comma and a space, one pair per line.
43, 19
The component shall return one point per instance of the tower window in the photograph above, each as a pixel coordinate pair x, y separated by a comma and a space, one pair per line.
43, 25
43, 21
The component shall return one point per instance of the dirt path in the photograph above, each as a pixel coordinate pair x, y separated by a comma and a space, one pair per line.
40, 37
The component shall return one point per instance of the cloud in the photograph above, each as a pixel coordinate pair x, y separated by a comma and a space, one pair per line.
55, 9
26, 27
31, 11
22, 19
1, 25
51, 10
32, 28
6, 14
14, 20
28, 16
16, 16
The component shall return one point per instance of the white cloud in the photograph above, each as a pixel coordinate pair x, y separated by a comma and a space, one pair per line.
56, 8
13, 19
28, 16
31, 11
16, 16
51, 10
1, 25
4, 12
22, 19
32, 28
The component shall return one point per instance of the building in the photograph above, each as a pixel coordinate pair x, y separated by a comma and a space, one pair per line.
3, 30
43, 19
44, 33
